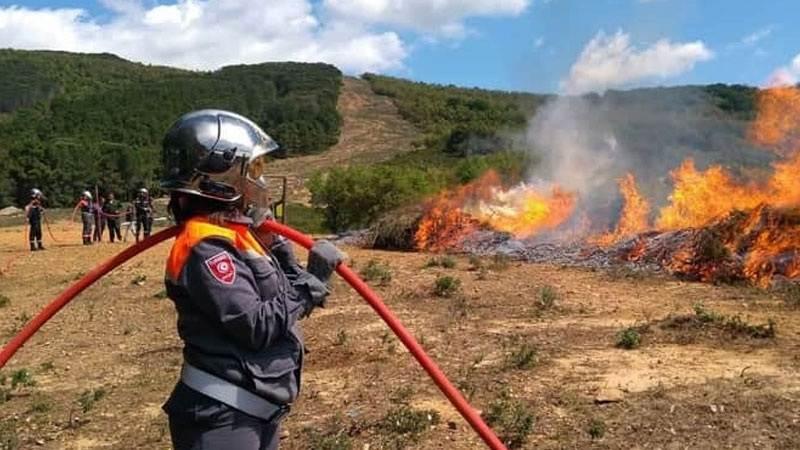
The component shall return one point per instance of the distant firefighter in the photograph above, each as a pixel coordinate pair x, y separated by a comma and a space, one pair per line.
34, 212
99, 219
143, 209
112, 211
86, 206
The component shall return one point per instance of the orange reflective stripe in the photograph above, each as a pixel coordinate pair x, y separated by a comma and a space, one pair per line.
199, 228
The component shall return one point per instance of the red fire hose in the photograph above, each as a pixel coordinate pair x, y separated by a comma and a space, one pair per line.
452, 394
87, 280
416, 350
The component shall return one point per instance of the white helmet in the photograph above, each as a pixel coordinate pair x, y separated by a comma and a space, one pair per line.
87, 195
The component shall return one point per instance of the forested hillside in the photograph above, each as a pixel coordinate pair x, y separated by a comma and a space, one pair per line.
70, 121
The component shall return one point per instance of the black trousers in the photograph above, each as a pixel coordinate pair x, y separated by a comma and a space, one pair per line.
88, 220
35, 232
99, 227
143, 223
113, 229
197, 422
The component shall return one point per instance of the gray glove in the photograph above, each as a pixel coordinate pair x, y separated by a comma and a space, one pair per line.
282, 250
314, 291
323, 259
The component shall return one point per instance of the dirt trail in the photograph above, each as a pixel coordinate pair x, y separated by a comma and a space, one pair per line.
372, 131
494, 338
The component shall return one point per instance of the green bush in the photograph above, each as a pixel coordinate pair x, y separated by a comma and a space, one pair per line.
407, 421
597, 429
512, 419
447, 262
523, 358
629, 338
446, 286
376, 271
88, 399
548, 295
22, 377
355, 196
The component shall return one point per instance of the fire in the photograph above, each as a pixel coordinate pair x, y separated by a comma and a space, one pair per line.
522, 210
778, 123
634, 216
699, 197
715, 226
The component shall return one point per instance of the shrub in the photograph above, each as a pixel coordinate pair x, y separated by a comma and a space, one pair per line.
376, 271
500, 262
547, 297
446, 286
331, 439
88, 399
525, 357
629, 338
512, 420
355, 196
597, 429
448, 262
407, 421
22, 377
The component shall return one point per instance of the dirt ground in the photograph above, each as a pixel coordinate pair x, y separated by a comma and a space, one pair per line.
533, 346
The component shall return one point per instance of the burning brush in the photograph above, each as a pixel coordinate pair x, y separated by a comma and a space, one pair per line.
714, 227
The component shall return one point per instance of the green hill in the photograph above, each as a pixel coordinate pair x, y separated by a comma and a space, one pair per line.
70, 121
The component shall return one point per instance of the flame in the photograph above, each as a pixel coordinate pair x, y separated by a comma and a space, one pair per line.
522, 210
634, 216
714, 226
777, 125
700, 197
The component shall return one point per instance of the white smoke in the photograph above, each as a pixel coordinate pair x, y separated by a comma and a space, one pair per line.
575, 135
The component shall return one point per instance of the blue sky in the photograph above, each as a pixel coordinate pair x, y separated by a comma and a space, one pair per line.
504, 53
532, 45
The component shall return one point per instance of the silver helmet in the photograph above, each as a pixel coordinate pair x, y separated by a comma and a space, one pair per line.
36, 193
87, 195
216, 154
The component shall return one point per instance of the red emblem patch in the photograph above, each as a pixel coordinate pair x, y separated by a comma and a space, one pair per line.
221, 266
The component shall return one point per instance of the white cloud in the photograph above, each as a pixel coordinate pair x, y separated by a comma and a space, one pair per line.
207, 34
787, 75
438, 17
610, 61
756, 36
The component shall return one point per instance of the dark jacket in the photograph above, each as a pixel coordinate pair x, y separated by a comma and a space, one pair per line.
237, 310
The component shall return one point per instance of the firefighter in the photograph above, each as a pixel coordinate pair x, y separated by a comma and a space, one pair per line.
99, 219
86, 207
34, 213
111, 212
143, 211
239, 293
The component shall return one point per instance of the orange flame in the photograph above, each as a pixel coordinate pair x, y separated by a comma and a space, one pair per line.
764, 242
522, 211
634, 216
698, 197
